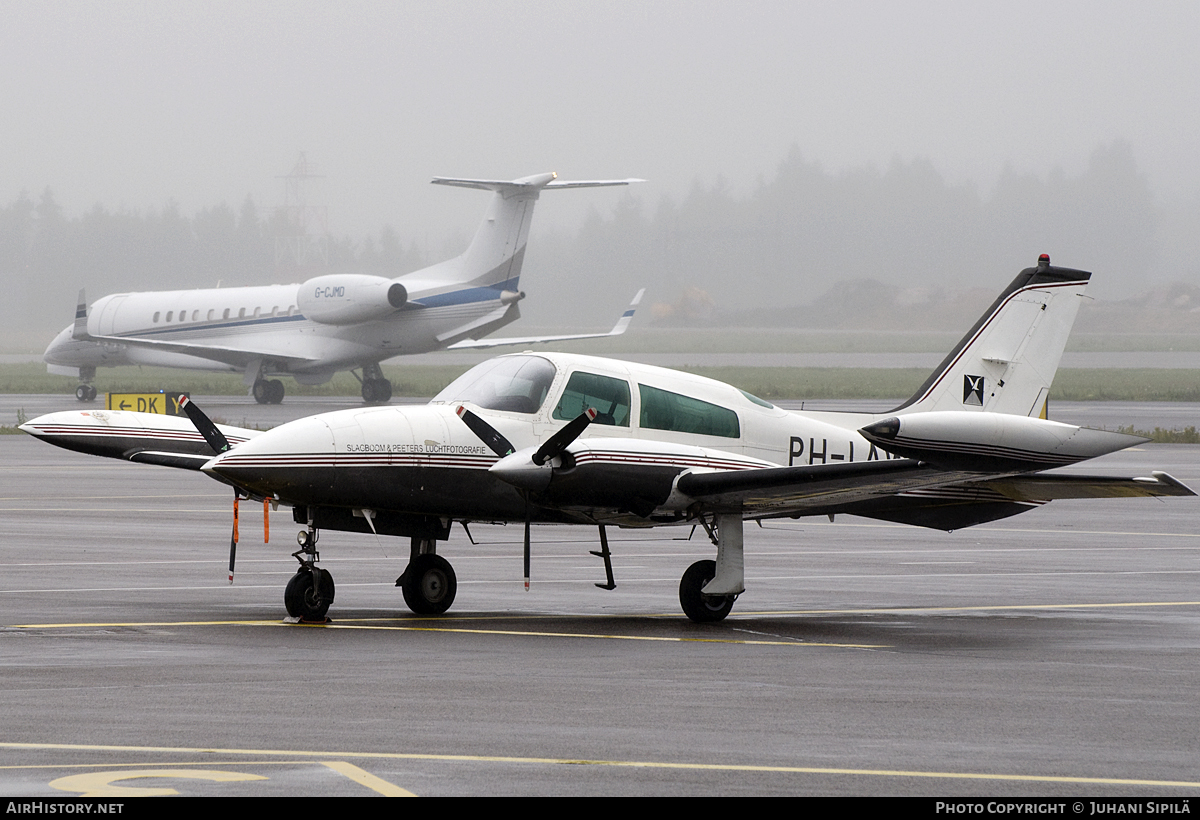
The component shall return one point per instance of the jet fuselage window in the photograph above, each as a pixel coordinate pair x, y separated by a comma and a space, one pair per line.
156, 317
210, 315
170, 315
662, 410
241, 313
226, 314
517, 384
609, 396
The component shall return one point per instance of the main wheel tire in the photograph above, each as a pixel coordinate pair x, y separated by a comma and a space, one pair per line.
700, 608
85, 392
262, 391
383, 391
302, 600
275, 392
429, 584
368, 390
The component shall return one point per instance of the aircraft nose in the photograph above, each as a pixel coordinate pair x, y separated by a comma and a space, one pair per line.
56, 348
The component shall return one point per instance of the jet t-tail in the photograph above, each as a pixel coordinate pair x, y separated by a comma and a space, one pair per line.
330, 323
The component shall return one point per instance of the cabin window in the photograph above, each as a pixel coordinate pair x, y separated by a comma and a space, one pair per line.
662, 410
170, 315
256, 312
609, 396
226, 314
275, 310
517, 384
195, 315
241, 313
156, 313
210, 315
183, 315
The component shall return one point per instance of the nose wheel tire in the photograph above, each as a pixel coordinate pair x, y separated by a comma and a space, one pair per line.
429, 584
700, 608
303, 600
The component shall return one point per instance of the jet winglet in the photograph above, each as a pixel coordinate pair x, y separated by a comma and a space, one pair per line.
79, 331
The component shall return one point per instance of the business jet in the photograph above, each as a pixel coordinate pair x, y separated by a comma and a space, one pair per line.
569, 439
334, 322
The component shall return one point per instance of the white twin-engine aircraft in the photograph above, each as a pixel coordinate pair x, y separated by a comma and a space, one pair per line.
329, 323
558, 438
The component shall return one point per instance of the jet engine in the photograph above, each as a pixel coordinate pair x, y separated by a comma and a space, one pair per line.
349, 298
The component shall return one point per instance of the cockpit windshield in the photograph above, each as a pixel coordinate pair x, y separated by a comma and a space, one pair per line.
516, 384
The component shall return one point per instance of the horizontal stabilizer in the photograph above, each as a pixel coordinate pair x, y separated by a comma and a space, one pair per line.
536, 182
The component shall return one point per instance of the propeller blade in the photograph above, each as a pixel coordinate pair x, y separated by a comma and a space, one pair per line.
563, 438
488, 434
215, 438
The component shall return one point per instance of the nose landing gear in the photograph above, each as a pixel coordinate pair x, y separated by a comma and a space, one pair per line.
310, 591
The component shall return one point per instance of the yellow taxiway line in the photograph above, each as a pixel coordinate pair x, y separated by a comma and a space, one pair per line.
639, 764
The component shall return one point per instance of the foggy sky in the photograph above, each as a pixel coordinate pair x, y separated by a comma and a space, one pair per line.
134, 104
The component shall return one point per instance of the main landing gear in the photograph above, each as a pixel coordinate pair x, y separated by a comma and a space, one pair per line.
709, 588
309, 593
268, 391
428, 583
375, 388
86, 391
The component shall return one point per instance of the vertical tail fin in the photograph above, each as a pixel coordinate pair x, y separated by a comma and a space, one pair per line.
1007, 361
497, 251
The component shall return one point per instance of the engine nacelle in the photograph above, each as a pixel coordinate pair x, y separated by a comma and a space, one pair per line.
349, 298
978, 441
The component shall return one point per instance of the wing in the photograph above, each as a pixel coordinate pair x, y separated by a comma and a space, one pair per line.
811, 490
620, 327
906, 491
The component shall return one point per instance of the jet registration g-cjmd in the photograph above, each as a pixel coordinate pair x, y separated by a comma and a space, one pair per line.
580, 440
329, 323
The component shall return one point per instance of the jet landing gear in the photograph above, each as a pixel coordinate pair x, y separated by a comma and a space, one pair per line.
86, 391
709, 588
428, 583
268, 391
375, 388
309, 593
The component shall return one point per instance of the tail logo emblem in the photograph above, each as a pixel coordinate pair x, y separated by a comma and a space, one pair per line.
973, 390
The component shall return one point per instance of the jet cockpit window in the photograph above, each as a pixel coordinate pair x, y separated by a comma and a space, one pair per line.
517, 384
670, 411
609, 396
